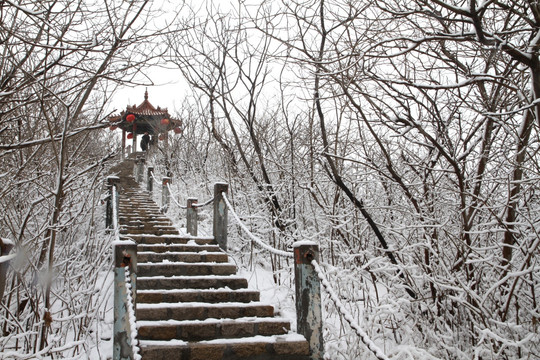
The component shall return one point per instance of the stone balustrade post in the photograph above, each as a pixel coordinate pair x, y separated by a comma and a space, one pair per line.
149, 180
308, 297
191, 216
140, 169
112, 185
125, 254
220, 215
165, 196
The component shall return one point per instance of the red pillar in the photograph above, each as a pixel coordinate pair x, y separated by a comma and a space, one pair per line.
123, 144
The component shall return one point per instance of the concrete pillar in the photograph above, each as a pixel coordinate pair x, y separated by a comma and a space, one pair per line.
165, 196
308, 297
150, 181
191, 216
112, 184
220, 215
125, 254
140, 169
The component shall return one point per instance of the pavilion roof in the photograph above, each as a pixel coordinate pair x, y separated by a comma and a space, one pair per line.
145, 112
146, 108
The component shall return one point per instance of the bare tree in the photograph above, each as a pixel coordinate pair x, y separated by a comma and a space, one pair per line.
60, 61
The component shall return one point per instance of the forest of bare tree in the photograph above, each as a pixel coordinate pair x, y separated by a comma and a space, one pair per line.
401, 136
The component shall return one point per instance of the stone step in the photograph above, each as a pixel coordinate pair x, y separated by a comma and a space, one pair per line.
198, 311
139, 210
168, 239
190, 303
211, 329
191, 282
278, 347
211, 296
188, 257
142, 215
187, 269
157, 232
143, 220
148, 227
190, 247
143, 225
131, 203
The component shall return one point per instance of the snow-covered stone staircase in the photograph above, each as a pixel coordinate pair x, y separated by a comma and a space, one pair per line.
190, 302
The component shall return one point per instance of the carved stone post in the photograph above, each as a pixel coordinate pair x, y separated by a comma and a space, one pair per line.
165, 194
111, 181
308, 297
220, 215
125, 254
191, 216
150, 182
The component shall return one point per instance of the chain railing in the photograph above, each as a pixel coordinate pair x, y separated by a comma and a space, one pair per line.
125, 344
130, 307
174, 197
308, 308
168, 195
347, 315
308, 273
253, 237
206, 203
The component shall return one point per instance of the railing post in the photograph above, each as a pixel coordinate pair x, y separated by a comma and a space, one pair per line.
220, 215
165, 194
135, 168
140, 170
191, 216
125, 254
308, 297
5, 248
149, 180
111, 181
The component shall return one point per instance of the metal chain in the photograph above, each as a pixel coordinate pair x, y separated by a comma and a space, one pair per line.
173, 197
253, 237
339, 305
211, 200
131, 315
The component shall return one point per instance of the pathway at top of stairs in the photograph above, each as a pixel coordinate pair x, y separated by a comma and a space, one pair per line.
190, 302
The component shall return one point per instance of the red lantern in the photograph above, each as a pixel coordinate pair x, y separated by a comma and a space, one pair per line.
130, 136
113, 127
177, 130
161, 137
164, 121
130, 118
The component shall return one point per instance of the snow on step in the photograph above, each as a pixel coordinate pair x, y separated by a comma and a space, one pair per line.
282, 347
144, 238
183, 268
178, 256
190, 302
196, 330
191, 282
201, 311
173, 248
222, 296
